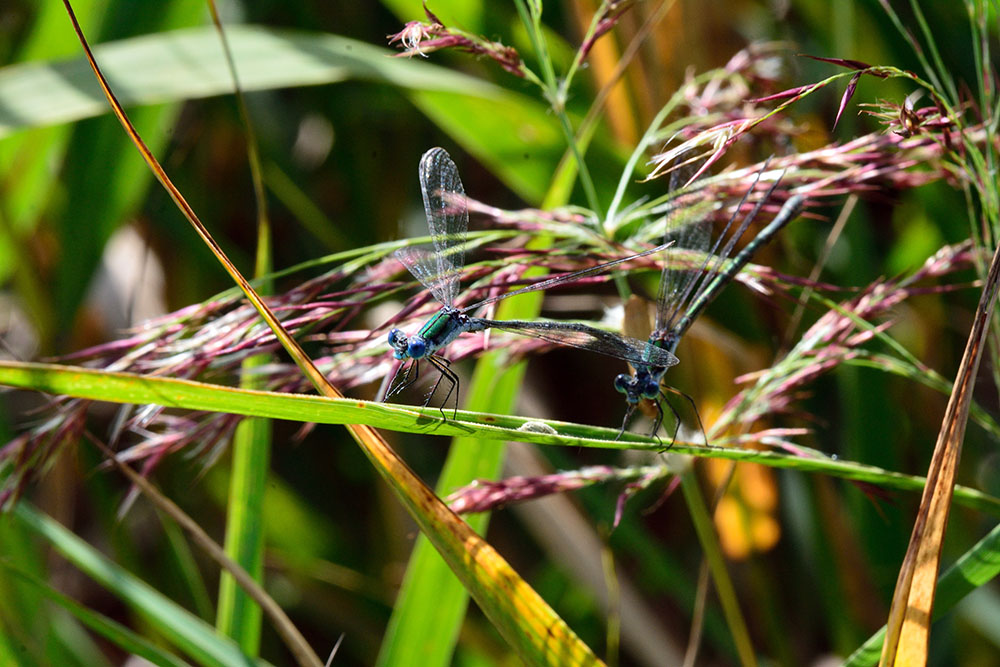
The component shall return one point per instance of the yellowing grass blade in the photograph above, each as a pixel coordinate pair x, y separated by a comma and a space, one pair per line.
517, 611
908, 627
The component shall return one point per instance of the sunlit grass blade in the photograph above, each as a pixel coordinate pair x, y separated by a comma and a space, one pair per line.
908, 627
431, 606
517, 611
189, 64
977, 567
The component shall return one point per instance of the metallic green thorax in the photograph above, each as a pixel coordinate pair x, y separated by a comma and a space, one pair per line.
438, 327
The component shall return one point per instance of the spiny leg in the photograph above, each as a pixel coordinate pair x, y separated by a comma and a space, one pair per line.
628, 415
405, 381
447, 364
442, 365
430, 394
673, 411
694, 407
657, 422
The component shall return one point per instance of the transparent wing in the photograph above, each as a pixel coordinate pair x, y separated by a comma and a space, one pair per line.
422, 262
691, 241
637, 352
448, 220
717, 272
685, 292
690, 238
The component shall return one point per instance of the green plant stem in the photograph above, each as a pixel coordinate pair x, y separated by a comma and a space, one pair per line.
532, 22
239, 616
114, 387
648, 137
717, 566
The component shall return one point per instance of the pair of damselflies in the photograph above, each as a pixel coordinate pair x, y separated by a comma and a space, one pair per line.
439, 268
682, 295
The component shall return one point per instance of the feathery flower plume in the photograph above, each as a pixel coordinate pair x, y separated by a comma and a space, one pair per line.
423, 37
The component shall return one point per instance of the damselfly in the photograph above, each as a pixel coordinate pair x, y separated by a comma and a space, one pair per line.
683, 294
438, 267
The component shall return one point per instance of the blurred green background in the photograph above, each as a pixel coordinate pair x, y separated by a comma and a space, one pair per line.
340, 160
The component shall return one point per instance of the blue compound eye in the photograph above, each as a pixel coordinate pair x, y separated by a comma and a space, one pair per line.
417, 348
622, 382
394, 336
651, 390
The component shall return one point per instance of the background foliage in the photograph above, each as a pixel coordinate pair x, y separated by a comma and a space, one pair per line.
88, 247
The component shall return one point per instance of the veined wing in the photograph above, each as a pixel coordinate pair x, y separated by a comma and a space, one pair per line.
448, 220
720, 272
421, 261
682, 295
636, 352
676, 282
687, 235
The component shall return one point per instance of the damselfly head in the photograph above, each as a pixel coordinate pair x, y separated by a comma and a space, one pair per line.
644, 384
627, 384
405, 347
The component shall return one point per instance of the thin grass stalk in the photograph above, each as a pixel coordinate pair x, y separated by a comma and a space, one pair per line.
614, 623
530, 14
705, 528
194, 637
946, 80
239, 616
188, 566
286, 629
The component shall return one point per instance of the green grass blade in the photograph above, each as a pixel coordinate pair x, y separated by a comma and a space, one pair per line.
130, 388
432, 602
28, 628
709, 540
239, 617
187, 568
189, 633
189, 64
113, 631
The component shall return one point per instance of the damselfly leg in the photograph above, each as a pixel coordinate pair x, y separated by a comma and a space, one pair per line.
401, 380
444, 373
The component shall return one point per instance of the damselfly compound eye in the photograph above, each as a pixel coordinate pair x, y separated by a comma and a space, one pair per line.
416, 348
